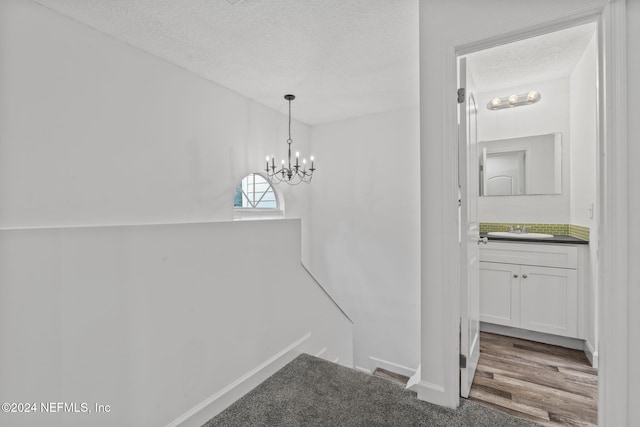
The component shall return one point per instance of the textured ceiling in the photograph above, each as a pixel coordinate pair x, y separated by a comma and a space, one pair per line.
547, 57
341, 58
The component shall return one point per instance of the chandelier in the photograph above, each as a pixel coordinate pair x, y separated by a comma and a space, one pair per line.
291, 174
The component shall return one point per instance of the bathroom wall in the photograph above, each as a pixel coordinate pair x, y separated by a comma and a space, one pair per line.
583, 147
551, 114
364, 232
584, 173
96, 132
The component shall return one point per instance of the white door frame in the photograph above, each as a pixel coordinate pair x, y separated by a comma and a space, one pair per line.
613, 217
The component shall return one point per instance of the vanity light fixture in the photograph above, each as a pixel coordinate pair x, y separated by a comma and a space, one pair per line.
514, 100
291, 174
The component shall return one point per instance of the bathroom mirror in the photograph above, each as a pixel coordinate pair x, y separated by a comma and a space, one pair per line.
521, 166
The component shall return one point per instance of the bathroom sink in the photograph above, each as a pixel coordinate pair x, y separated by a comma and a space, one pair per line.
520, 235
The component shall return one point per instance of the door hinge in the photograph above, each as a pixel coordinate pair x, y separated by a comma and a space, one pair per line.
463, 361
461, 93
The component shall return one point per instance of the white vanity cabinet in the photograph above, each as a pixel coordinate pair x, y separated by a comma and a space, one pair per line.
530, 286
500, 293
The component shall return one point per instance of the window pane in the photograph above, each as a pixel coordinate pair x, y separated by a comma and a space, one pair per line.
255, 191
237, 197
267, 205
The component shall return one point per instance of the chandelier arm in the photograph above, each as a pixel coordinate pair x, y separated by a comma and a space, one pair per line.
295, 181
305, 178
275, 179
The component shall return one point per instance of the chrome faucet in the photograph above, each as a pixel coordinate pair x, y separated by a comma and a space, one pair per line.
520, 229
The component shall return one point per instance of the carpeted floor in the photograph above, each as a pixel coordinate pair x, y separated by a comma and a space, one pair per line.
313, 392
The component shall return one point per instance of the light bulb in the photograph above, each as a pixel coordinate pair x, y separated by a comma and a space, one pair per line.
304, 161
282, 162
267, 159
297, 154
496, 102
513, 99
311, 158
533, 96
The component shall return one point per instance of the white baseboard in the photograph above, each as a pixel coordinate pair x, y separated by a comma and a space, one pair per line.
375, 362
361, 369
321, 352
592, 355
215, 404
428, 392
415, 378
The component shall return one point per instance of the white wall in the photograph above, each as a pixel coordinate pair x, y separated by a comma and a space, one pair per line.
94, 131
583, 99
633, 47
364, 231
152, 320
584, 177
444, 25
549, 115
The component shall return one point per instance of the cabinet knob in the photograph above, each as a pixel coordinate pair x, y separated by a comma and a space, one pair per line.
524, 276
515, 275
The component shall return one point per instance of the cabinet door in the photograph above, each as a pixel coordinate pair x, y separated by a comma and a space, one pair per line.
500, 293
549, 300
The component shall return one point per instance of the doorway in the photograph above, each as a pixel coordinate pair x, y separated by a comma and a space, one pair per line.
527, 89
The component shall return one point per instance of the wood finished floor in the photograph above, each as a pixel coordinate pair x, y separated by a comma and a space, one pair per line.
553, 386
392, 376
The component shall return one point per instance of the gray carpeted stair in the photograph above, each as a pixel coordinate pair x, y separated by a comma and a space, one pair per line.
313, 392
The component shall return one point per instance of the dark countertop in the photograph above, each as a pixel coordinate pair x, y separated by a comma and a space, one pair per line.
558, 238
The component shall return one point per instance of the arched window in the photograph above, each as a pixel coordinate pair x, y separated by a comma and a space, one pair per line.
255, 197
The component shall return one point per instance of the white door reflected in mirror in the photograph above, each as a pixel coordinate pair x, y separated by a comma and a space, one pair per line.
521, 166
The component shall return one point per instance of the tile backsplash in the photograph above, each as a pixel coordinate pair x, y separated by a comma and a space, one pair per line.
564, 229
579, 231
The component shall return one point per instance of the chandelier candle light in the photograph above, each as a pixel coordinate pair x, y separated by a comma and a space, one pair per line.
291, 174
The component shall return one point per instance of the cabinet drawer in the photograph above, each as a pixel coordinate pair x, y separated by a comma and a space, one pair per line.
545, 255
